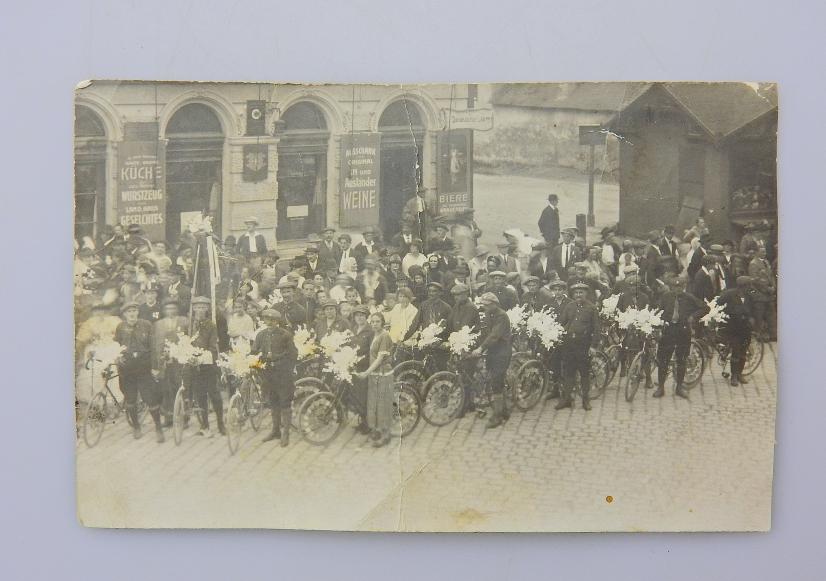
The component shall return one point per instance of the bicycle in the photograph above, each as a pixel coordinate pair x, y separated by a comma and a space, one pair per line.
322, 415
246, 404
99, 412
714, 343
695, 365
411, 369
445, 392
183, 409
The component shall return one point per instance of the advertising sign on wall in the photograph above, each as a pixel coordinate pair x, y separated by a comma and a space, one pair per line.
359, 179
141, 187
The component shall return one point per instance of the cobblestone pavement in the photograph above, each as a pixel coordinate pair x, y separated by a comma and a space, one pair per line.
667, 464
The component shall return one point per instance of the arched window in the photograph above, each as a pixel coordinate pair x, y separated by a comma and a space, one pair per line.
194, 164
90, 172
302, 171
401, 115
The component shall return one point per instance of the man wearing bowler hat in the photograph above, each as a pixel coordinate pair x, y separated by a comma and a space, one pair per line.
278, 354
580, 319
549, 221
252, 243
367, 247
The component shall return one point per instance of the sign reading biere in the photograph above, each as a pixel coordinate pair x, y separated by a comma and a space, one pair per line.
141, 187
359, 179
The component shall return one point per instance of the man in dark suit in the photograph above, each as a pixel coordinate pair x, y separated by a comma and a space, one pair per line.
549, 221
679, 309
541, 265
565, 254
651, 259
329, 252
403, 239
703, 286
313, 261
668, 243
367, 247
728, 265
251, 243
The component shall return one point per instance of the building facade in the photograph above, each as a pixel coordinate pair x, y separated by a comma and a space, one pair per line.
698, 149
297, 157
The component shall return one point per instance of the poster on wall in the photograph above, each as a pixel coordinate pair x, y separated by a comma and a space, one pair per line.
359, 179
142, 187
455, 171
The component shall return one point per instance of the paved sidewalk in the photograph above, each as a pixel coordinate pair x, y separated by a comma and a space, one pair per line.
667, 464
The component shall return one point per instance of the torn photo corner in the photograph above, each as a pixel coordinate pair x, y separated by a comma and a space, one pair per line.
523, 307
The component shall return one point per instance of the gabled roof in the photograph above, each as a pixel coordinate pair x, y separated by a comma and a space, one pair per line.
720, 108
577, 96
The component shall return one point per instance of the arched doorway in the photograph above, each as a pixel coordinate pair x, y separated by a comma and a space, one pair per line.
402, 139
194, 158
90, 172
302, 171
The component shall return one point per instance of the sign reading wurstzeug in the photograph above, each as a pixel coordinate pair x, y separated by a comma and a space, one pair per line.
359, 189
141, 187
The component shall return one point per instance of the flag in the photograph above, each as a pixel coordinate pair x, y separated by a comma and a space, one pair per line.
207, 270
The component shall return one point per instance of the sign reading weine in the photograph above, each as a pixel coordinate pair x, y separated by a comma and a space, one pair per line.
141, 187
359, 179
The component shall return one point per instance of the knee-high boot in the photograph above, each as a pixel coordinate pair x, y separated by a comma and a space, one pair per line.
286, 421
276, 425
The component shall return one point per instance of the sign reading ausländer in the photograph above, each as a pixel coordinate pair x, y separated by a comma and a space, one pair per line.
359, 179
141, 187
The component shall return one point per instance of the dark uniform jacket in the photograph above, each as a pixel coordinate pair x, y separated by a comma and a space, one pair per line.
556, 255
462, 314
329, 258
166, 329
150, 313
205, 336
541, 266
739, 307
497, 334
556, 306
581, 323
431, 311
537, 301
702, 286
137, 338
633, 297
295, 314
322, 328
276, 348
507, 296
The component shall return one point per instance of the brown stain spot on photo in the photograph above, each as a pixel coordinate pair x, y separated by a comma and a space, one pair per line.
469, 516
609, 499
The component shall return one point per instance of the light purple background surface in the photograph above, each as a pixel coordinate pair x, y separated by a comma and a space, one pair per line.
46, 48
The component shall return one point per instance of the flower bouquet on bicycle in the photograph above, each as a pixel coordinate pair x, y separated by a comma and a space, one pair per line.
246, 403
642, 327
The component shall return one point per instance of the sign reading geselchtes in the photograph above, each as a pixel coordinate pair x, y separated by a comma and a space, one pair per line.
141, 187
455, 171
359, 179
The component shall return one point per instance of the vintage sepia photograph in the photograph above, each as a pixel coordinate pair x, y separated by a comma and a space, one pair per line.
517, 307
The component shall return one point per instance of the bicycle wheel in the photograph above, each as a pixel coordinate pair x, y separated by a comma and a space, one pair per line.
600, 373
754, 356
443, 398
695, 365
94, 422
635, 378
407, 409
320, 418
410, 372
529, 385
179, 415
235, 422
304, 388
614, 354
254, 403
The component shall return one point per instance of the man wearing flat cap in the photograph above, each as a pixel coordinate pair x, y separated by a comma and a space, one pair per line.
166, 371
535, 297
432, 310
580, 319
135, 368
275, 347
507, 262
739, 306
440, 241
496, 346
251, 243
497, 284
204, 374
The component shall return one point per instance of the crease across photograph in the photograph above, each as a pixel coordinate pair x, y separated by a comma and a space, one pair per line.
456, 307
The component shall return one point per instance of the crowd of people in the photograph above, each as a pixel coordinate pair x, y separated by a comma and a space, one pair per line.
140, 292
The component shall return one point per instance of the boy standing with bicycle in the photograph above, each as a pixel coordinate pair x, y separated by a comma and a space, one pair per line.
278, 355
580, 319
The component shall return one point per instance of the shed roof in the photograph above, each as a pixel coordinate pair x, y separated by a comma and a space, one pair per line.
720, 108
